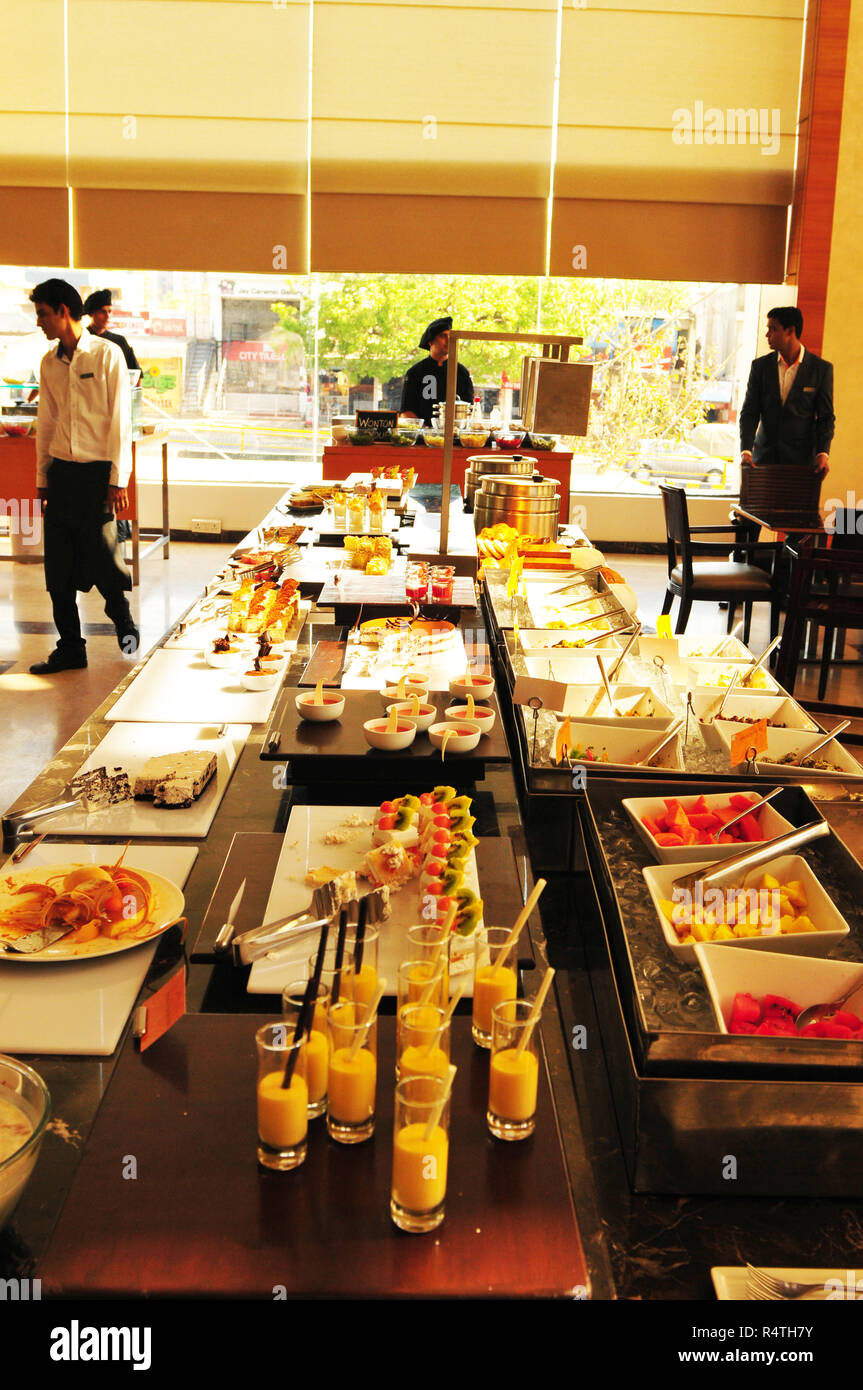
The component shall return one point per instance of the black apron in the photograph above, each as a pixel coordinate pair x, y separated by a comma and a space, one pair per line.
80, 531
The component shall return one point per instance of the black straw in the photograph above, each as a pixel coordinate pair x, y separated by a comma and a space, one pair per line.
363, 912
307, 1008
340, 955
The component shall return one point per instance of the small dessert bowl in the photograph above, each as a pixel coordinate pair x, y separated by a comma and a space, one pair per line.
464, 736
260, 680
425, 715
332, 708
482, 715
390, 694
378, 736
224, 659
480, 687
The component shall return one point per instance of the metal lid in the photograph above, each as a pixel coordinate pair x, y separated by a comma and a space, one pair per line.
519, 487
479, 468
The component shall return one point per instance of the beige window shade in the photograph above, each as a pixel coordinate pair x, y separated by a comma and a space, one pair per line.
150, 230
32, 120
668, 241
33, 226
436, 155
180, 94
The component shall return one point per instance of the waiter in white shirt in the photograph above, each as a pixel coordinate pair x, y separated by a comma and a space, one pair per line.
83, 462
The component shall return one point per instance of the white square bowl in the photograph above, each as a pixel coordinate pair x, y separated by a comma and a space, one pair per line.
776, 709
783, 741
704, 676
832, 927
624, 744
635, 807
800, 978
696, 649
581, 696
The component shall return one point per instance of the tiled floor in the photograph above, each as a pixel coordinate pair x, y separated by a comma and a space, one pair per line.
39, 713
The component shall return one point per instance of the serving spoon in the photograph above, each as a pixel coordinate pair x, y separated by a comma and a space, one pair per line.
818, 1011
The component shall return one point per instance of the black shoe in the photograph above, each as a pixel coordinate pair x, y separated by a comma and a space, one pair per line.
128, 640
59, 661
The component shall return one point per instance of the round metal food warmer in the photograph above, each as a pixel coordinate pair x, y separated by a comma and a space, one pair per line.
531, 506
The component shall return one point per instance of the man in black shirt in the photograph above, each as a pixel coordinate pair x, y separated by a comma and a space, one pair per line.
98, 306
424, 385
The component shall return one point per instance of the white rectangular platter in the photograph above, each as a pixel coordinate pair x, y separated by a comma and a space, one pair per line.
81, 1007
179, 686
129, 746
304, 849
368, 669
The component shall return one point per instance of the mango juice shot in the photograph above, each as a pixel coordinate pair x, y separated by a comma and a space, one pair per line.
494, 979
282, 1110
513, 1077
420, 1152
353, 1071
425, 1042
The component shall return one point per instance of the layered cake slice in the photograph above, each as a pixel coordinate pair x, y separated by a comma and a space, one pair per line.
175, 780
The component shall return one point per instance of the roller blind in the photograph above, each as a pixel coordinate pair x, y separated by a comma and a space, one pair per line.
676, 154
203, 103
431, 134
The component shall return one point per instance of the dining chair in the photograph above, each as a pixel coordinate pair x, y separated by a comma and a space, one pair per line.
823, 596
713, 580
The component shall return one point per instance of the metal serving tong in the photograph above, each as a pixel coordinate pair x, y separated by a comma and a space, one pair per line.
751, 858
271, 936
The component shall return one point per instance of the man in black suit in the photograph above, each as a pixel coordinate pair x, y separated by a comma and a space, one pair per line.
787, 416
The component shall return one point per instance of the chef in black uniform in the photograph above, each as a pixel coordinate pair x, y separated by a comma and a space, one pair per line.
98, 306
425, 382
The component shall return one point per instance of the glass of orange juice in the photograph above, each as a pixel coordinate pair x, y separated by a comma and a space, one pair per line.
419, 982
361, 984
513, 1072
352, 1074
423, 941
282, 1110
340, 506
424, 1042
314, 1052
420, 1153
495, 978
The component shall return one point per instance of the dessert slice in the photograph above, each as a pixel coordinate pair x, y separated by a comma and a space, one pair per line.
175, 779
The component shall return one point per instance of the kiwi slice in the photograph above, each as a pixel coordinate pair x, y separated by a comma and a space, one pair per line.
451, 880
410, 802
442, 795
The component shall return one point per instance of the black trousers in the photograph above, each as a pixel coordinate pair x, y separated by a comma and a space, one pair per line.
82, 549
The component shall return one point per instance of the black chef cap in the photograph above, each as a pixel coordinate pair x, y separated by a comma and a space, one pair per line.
439, 326
99, 299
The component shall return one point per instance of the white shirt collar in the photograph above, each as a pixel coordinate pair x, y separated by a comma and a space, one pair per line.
84, 342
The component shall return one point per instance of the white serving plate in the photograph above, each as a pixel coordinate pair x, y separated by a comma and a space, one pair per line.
787, 867
729, 1282
130, 746
802, 979
303, 849
623, 745
782, 741
199, 636
80, 1007
770, 821
180, 687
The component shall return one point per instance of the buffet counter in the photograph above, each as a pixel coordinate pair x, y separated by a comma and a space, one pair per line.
619, 1194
